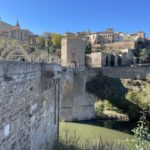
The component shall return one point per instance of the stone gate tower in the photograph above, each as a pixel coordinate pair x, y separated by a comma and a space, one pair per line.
72, 51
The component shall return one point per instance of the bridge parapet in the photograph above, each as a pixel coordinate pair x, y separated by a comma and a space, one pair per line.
29, 111
31, 95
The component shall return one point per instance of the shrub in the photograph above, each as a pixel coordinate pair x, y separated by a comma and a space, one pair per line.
133, 97
114, 91
141, 135
99, 107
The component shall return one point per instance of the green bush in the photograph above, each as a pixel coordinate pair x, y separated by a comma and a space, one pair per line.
114, 91
99, 108
141, 135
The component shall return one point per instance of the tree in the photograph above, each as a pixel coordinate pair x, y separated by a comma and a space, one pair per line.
40, 42
144, 55
141, 134
88, 49
56, 40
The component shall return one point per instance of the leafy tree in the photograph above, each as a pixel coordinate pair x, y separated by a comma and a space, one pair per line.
141, 134
142, 98
144, 55
56, 40
88, 49
52, 49
58, 52
40, 42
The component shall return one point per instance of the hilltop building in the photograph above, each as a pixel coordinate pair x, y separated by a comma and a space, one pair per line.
111, 40
14, 32
110, 36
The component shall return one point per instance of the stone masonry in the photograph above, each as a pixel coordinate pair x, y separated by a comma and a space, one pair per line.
76, 103
72, 51
28, 106
34, 97
135, 72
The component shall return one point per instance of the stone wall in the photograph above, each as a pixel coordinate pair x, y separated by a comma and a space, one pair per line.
96, 59
76, 104
29, 101
118, 45
72, 51
34, 97
135, 72
83, 102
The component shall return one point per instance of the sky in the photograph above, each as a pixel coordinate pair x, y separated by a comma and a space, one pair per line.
62, 16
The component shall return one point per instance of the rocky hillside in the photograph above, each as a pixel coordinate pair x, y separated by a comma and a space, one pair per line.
4, 25
126, 96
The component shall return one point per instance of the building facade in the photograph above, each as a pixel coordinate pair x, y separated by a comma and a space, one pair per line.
110, 36
103, 59
14, 32
72, 51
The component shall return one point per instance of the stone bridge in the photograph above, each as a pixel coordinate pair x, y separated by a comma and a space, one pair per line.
34, 97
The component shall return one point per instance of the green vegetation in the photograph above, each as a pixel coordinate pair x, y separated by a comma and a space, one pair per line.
56, 40
113, 90
52, 43
141, 134
142, 98
105, 110
76, 136
118, 97
40, 42
88, 49
142, 51
88, 132
143, 55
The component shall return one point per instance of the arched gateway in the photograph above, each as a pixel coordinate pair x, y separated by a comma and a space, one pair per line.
14, 53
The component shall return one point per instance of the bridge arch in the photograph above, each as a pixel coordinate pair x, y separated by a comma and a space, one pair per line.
5, 51
19, 53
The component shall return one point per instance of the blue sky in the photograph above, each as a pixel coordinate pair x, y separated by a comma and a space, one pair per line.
78, 15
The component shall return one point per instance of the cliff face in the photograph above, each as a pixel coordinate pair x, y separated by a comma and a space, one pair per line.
4, 25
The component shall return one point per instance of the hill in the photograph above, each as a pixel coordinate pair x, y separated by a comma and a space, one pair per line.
4, 25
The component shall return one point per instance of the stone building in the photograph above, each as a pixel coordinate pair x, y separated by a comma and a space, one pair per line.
98, 37
14, 32
110, 39
110, 36
95, 60
73, 54
72, 51
109, 59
